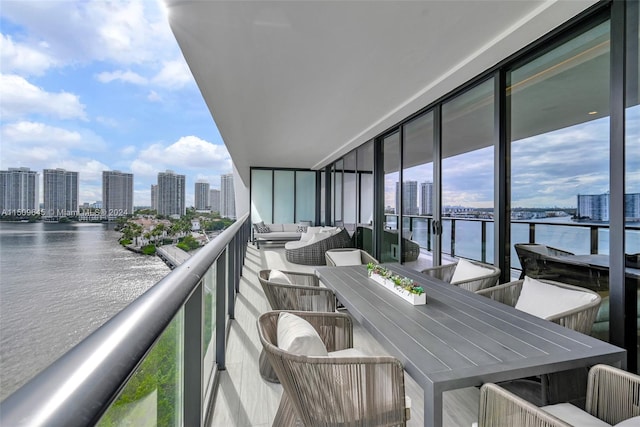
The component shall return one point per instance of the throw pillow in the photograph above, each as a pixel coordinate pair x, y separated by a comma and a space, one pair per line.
257, 225
344, 258
545, 300
277, 276
302, 228
465, 270
264, 229
298, 336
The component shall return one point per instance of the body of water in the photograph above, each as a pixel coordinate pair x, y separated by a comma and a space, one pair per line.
58, 283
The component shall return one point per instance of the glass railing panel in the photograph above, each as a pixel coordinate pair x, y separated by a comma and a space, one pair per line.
421, 232
567, 238
603, 241
209, 328
446, 236
519, 234
468, 239
153, 395
632, 241
489, 243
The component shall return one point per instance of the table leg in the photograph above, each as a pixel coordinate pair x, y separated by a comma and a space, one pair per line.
432, 407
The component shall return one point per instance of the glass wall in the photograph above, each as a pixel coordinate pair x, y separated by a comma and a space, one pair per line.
390, 241
468, 138
350, 205
262, 196
283, 196
306, 196
417, 176
364, 231
632, 149
337, 192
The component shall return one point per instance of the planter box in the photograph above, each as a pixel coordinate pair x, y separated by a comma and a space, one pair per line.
406, 295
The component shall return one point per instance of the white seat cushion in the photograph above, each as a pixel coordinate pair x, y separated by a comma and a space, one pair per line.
277, 276
631, 422
574, 415
344, 258
467, 271
298, 336
348, 352
545, 300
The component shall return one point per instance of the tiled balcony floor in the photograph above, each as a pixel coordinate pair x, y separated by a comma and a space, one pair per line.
244, 399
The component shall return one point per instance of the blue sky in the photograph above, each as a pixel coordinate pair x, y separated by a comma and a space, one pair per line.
93, 85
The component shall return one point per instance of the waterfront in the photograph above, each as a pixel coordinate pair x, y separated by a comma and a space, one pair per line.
58, 283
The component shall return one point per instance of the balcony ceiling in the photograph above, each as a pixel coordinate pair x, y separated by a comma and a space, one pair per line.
299, 83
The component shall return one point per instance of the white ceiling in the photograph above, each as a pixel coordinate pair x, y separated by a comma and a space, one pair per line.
299, 83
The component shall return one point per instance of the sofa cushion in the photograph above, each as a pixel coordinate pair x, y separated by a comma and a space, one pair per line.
574, 415
277, 276
313, 230
545, 300
292, 228
466, 270
276, 227
298, 336
344, 258
629, 422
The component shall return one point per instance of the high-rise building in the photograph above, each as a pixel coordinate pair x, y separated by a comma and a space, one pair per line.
426, 198
171, 191
154, 197
409, 197
214, 199
632, 206
60, 189
117, 194
227, 197
596, 206
202, 196
19, 192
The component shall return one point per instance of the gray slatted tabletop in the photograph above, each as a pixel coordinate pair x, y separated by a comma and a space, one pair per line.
460, 339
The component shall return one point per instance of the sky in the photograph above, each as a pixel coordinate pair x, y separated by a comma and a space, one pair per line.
90, 86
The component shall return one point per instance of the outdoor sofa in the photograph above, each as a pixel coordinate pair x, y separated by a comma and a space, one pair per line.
277, 232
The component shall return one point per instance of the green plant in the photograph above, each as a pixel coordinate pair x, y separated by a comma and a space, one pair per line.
399, 281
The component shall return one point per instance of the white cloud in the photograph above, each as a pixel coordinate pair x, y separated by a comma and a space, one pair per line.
124, 76
174, 74
20, 58
128, 150
154, 97
20, 99
33, 133
188, 153
125, 32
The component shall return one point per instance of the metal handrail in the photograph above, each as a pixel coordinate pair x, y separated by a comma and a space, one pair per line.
79, 387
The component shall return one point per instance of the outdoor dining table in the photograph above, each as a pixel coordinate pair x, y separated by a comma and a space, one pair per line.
458, 338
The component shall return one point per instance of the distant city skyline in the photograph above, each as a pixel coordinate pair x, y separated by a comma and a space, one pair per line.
95, 86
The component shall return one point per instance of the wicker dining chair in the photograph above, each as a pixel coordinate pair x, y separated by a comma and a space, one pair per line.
446, 273
612, 397
303, 293
532, 259
332, 256
579, 319
334, 391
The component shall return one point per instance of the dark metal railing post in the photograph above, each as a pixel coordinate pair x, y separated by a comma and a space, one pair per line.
193, 370
532, 232
453, 237
483, 233
594, 239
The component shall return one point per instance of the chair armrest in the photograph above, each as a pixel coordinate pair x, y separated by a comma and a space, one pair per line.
442, 272
335, 329
306, 279
500, 408
507, 293
579, 319
613, 395
303, 298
